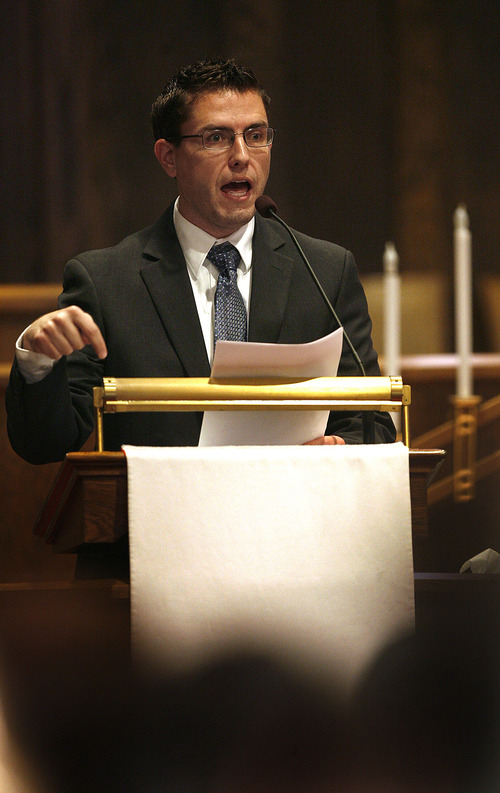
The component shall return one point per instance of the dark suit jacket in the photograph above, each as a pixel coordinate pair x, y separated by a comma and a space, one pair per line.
140, 295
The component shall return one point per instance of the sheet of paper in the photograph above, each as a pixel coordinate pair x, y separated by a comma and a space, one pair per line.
235, 359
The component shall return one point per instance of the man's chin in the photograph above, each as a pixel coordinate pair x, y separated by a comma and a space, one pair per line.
235, 220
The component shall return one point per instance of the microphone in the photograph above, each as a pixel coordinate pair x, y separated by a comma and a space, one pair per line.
266, 207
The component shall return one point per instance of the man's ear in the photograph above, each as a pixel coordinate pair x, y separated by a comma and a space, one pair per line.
165, 154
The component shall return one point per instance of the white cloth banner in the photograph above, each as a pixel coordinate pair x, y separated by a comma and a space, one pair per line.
303, 551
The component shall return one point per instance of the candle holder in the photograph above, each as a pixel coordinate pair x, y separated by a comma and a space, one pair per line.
464, 447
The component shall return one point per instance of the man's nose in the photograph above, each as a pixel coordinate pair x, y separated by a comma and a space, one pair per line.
239, 149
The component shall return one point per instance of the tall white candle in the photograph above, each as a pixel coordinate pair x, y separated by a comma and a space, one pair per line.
392, 312
463, 301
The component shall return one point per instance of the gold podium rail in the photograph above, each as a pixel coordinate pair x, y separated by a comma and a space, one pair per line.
121, 395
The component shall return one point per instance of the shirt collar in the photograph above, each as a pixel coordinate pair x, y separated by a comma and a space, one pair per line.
196, 243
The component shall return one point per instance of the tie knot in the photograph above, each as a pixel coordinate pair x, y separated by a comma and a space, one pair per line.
224, 257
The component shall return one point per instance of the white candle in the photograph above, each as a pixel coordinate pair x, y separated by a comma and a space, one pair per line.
392, 312
463, 301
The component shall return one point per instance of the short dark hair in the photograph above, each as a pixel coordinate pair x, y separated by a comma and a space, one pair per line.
170, 108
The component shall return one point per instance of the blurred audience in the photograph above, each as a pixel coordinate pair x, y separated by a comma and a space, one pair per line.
425, 717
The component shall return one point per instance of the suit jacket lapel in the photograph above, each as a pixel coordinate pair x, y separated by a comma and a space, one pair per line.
271, 275
165, 274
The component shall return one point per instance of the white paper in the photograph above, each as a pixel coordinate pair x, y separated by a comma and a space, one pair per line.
487, 561
235, 359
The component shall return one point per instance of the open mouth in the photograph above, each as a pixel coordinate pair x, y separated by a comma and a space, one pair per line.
238, 189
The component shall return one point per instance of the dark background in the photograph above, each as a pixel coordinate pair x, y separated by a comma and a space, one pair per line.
386, 115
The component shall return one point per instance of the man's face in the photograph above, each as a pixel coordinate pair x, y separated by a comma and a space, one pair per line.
218, 189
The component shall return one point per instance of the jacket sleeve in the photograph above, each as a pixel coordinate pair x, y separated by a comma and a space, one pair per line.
48, 419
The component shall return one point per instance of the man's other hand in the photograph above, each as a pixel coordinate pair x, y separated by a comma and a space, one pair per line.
327, 440
62, 332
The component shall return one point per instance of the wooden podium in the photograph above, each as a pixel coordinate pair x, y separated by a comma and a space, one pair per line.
87, 505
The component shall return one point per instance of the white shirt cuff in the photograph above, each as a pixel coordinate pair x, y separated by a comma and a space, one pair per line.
34, 366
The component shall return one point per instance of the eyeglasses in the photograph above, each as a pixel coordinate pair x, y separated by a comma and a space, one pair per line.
254, 137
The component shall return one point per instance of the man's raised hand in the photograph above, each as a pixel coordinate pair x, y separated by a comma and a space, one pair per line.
62, 332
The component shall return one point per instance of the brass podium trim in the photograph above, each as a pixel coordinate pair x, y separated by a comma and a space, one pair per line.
118, 395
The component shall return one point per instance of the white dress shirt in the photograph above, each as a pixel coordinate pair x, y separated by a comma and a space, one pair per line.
195, 244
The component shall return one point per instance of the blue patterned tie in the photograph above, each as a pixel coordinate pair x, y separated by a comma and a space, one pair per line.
229, 309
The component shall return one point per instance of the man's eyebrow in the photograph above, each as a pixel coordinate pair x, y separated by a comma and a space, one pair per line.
211, 127
223, 128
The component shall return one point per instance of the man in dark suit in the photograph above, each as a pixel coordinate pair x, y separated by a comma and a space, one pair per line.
145, 308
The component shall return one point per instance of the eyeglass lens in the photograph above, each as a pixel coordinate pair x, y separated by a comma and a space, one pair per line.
224, 138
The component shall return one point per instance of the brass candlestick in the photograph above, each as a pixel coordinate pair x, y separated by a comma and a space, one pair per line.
464, 447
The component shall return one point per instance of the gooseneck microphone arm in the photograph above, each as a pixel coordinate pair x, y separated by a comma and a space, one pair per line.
266, 207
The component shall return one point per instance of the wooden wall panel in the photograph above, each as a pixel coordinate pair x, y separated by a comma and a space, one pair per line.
23, 487
421, 119
397, 98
